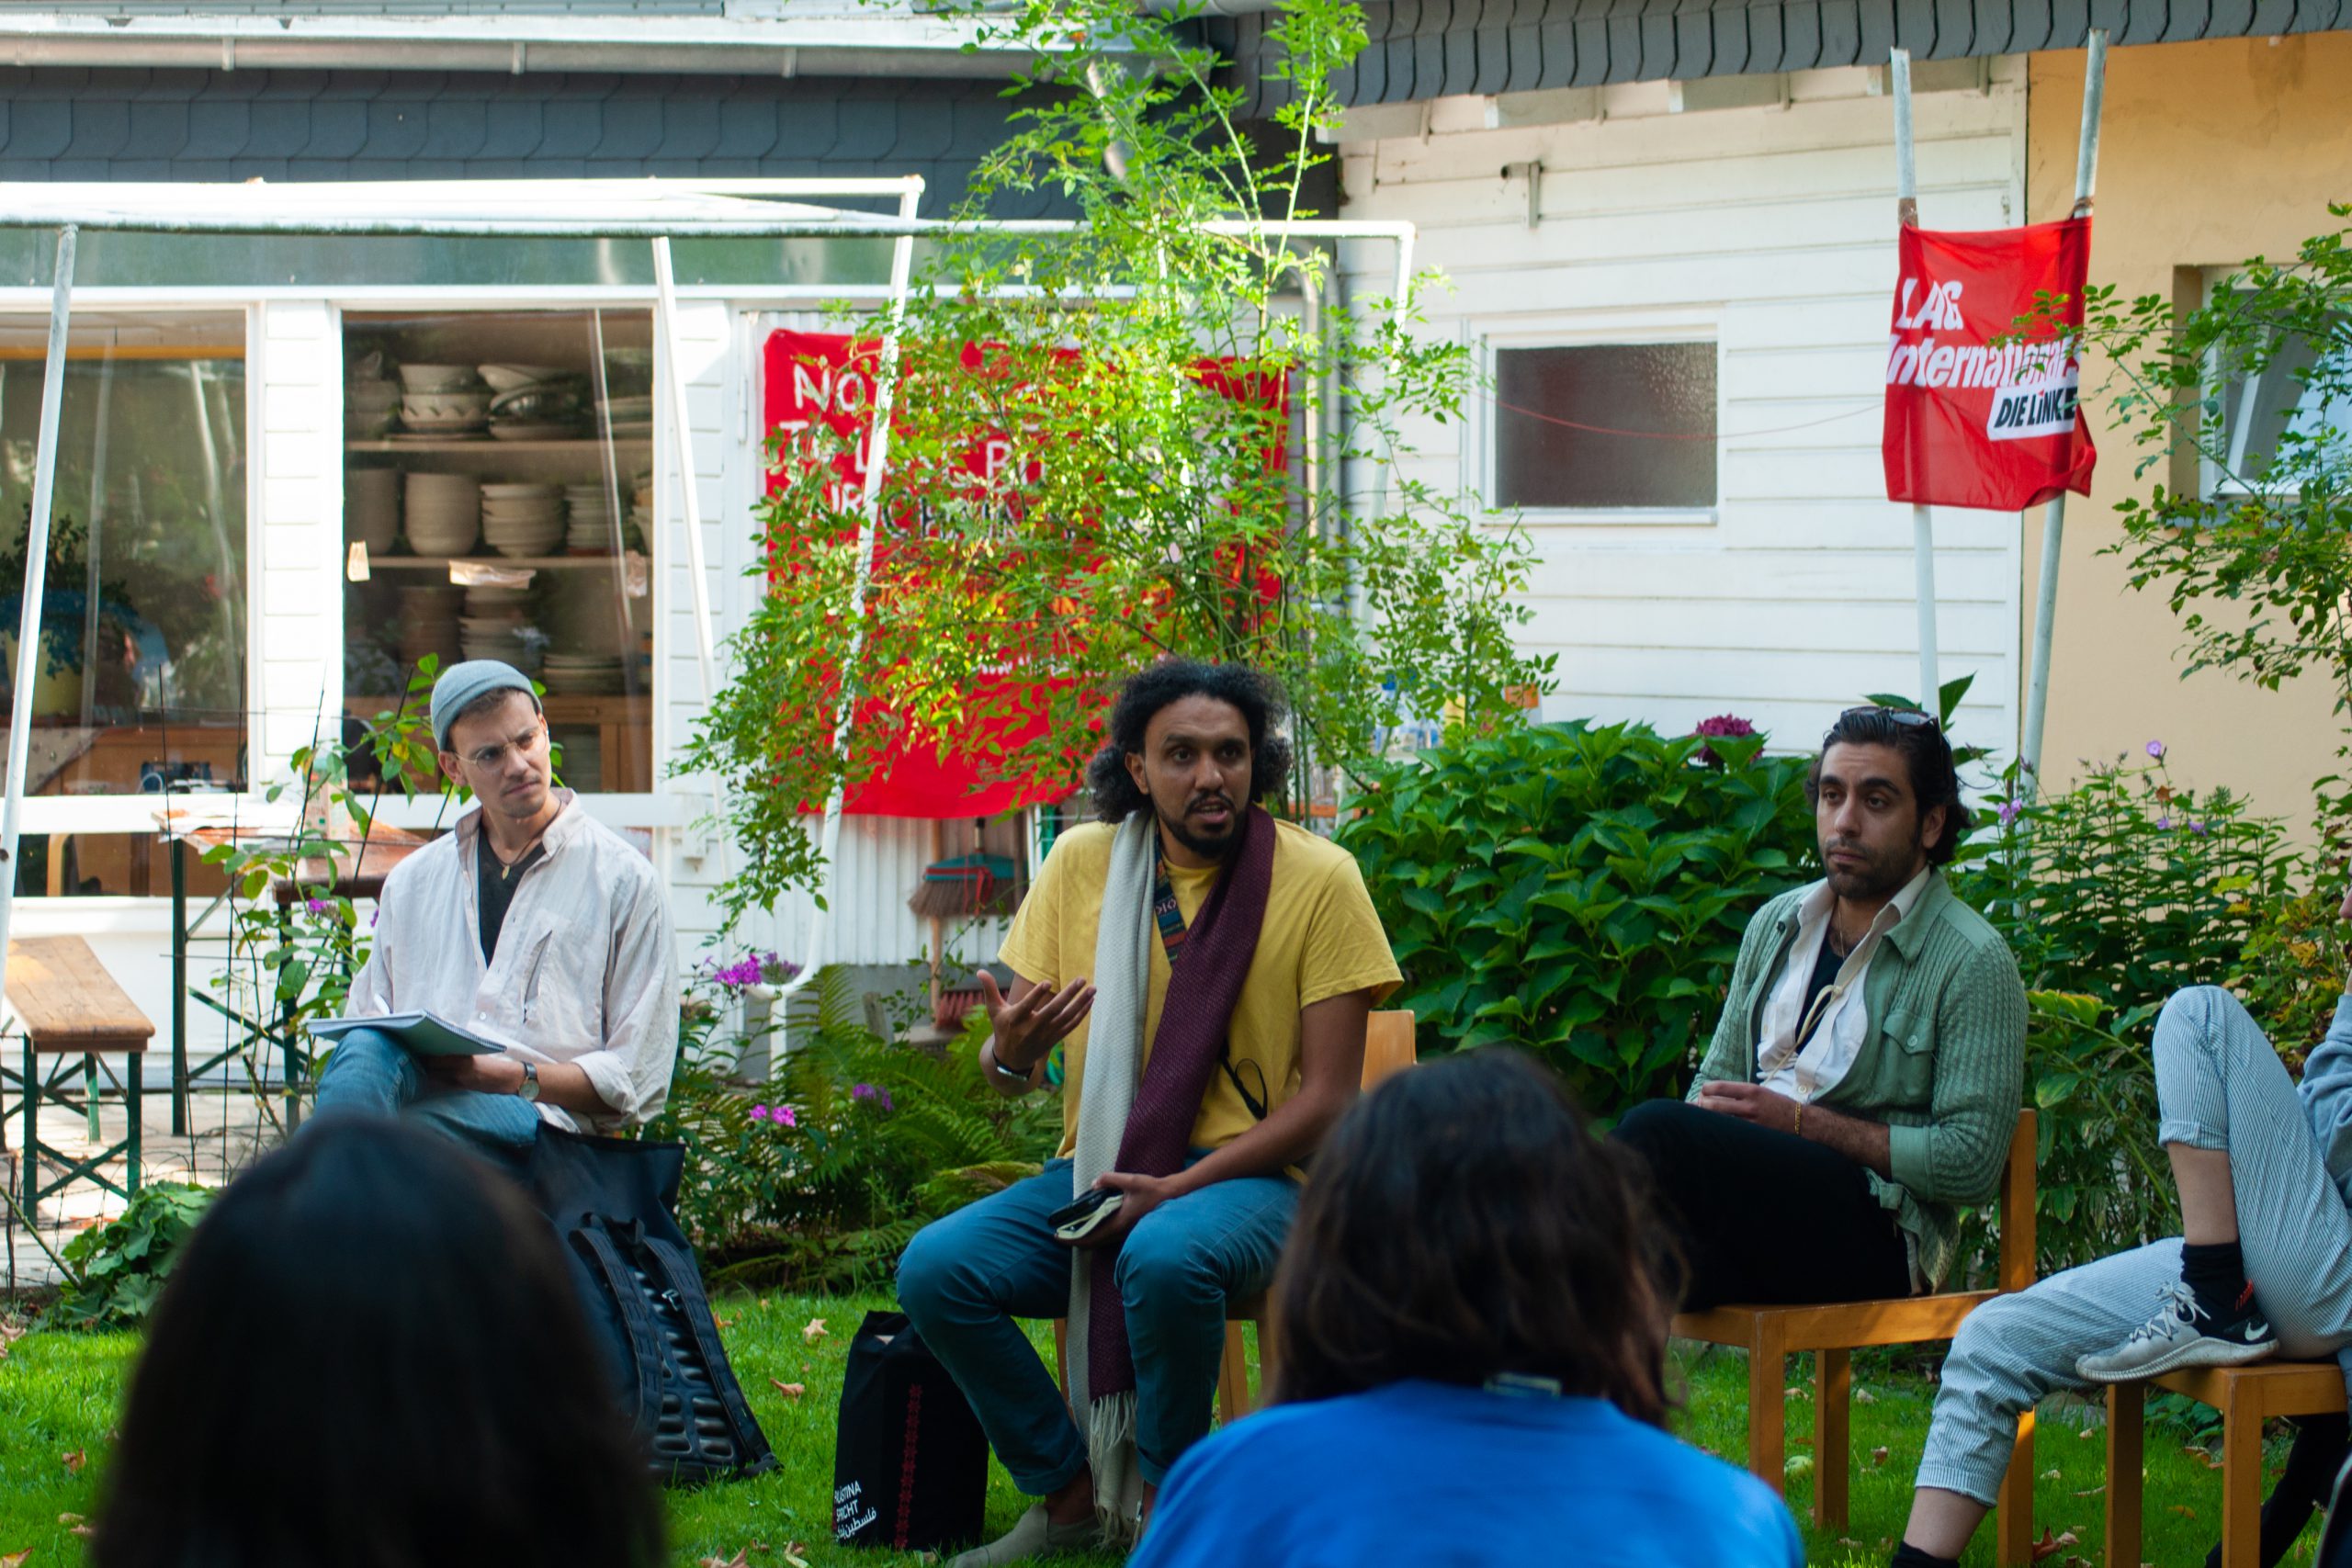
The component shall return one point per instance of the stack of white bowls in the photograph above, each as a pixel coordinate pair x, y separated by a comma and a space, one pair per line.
371, 406
588, 515
371, 508
442, 402
523, 520
428, 621
443, 513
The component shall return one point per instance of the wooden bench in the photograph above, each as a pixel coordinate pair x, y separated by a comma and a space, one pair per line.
1771, 1334
2247, 1397
68, 1006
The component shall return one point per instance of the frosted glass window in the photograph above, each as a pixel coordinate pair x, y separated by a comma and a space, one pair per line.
1559, 412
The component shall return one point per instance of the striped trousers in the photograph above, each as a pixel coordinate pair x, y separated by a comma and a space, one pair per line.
2218, 1086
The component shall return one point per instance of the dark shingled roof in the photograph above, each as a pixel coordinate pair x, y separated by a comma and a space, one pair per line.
97, 124
1431, 49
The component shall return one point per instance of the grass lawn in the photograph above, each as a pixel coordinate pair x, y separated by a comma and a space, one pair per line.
59, 1394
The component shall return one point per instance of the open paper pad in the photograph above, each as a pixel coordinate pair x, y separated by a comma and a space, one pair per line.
421, 1034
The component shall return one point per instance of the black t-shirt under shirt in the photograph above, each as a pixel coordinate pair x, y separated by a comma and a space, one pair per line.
495, 885
1824, 975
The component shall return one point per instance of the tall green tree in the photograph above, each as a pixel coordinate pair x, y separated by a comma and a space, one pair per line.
1157, 434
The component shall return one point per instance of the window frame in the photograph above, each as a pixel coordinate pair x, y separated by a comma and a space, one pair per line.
2217, 481
1492, 338
135, 814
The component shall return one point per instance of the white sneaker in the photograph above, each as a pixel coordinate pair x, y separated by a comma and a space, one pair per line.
2184, 1334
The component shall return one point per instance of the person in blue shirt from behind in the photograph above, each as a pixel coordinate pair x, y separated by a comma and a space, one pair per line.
1473, 1320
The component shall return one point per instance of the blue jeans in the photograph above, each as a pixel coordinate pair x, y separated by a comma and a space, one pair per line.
371, 1074
964, 1278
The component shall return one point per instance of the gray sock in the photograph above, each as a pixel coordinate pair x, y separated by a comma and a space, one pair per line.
1033, 1536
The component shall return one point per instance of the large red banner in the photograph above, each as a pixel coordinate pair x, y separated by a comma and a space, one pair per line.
828, 378
1979, 411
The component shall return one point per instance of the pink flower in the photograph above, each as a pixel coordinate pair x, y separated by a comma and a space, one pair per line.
2010, 811
1728, 725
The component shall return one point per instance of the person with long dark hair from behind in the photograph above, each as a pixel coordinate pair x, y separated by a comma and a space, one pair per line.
370, 1354
1472, 1320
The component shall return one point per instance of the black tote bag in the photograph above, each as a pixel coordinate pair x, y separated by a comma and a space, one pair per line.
910, 1464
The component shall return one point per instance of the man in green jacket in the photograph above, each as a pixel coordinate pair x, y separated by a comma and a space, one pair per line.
1866, 1074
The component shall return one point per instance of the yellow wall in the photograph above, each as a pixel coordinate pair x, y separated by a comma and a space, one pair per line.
2210, 153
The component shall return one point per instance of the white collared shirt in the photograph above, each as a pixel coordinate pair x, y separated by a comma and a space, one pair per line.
1808, 1071
585, 972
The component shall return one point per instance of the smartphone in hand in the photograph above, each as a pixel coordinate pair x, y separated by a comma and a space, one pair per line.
1076, 1220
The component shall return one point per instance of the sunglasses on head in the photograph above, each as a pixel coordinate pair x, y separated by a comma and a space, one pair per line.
1908, 718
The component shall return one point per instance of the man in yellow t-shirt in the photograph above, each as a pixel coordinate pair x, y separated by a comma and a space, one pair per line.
1192, 748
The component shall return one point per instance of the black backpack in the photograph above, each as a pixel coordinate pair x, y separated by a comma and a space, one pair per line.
613, 1203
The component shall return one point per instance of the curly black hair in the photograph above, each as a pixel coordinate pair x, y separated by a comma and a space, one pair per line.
1171, 680
1935, 781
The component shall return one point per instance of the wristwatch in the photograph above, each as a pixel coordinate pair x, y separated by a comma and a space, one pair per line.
530, 1086
996, 1065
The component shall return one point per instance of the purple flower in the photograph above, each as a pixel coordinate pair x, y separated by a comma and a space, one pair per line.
2156, 750
782, 1115
868, 1092
2198, 828
759, 1113
2010, 811
744, 972
2163, 823
318, 906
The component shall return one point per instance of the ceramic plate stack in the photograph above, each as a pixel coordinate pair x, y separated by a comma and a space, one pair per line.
640, 511
371, 508
520, 521
536, 403
443, 513
588, 518
496, 625
582, 674
428, 621
627, 417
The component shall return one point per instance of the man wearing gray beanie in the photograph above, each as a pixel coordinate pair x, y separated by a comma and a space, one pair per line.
532, 925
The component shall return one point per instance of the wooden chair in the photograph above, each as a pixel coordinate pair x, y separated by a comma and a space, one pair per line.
1770, 1334
2247, 1397
1388, 1048
69, 1005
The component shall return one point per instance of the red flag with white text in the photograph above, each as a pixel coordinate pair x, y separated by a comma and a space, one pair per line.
1980, 411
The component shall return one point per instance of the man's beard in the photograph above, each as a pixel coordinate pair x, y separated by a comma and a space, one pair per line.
1206, 848
1881, 875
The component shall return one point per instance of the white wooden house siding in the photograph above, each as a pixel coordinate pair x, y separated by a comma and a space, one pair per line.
1771, 229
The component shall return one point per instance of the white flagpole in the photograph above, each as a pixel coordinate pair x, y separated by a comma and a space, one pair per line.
29, 655
1923, 531
2053, 527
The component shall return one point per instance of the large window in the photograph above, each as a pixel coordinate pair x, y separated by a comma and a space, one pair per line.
1607, 426
140, 682
497, 496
